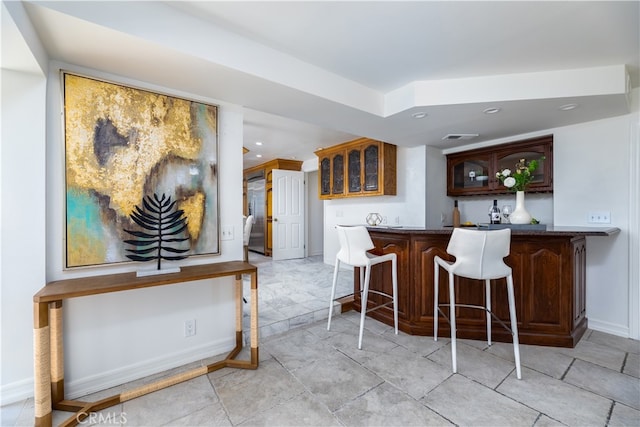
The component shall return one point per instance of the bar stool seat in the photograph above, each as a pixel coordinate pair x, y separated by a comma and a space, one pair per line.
479, 255
354, 244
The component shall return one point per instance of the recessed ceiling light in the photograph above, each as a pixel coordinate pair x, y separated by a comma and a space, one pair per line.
258, 143
258, 155
568, 107
419, 115
492, 110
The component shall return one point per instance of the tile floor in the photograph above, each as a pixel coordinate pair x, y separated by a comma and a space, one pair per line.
309, 376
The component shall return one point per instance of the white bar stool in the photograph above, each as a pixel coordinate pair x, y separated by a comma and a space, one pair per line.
246, 234
479, 255
354, 244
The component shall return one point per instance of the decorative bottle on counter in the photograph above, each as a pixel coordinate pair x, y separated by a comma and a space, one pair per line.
455, 215
494, 213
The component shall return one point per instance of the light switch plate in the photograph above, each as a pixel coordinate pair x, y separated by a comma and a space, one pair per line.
599, 217
227, 232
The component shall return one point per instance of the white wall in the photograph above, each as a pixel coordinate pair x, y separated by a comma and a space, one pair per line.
315, 215
113, 338
23, 235
591, 173
406, 208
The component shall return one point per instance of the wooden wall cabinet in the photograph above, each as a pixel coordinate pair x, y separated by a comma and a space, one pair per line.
473, 172
266, 170
362, 167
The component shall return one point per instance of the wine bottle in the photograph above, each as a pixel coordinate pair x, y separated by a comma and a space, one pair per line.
455, 215
495, 213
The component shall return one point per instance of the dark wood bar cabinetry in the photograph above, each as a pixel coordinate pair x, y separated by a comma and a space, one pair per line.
549, 269
473, 172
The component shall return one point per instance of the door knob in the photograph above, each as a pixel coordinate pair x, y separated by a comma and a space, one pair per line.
275, 219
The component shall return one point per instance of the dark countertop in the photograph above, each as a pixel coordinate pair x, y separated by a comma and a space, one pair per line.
550, 230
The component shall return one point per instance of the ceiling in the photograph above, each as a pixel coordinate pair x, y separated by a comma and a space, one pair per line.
308, 75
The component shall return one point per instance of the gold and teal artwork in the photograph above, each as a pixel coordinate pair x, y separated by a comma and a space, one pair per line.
123, 144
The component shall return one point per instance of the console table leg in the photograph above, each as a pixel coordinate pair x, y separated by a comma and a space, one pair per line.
57, 353
238, 305
42, 365
254, 319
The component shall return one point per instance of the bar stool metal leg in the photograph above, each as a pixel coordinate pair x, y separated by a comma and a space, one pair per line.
333, 292
363, 309
514, 325
487, 296
452, 321
436, 288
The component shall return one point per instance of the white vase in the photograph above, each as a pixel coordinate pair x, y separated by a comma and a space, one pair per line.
520, 214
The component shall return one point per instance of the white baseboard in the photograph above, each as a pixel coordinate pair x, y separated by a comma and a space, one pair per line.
16, 391
20, 390
609, 328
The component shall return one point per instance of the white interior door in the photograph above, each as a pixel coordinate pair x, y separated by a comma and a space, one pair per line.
288, 214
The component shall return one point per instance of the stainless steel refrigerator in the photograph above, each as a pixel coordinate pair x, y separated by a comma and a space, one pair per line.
256, 206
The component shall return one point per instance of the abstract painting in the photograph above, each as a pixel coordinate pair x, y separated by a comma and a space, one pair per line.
123, 144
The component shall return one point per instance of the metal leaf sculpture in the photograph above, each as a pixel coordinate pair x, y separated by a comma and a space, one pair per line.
163, 226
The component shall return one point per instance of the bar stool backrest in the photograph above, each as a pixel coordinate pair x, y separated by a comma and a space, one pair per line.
354, 244
480, 253
248, 224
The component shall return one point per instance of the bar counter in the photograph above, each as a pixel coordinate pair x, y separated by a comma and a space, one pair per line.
549, 272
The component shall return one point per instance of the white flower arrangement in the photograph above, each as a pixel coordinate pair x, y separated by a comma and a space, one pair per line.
520, 180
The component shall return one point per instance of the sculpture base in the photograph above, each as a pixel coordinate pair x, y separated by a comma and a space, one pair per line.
150, 272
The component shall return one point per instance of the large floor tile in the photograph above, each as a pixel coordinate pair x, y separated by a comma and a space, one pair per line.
548, 360
544, 421
336, 380
245, 393
599, 354
301, 410
465, 402
409, 372
373, 345
612, 341
605, 382
632, 365
421, 345
622, 415
169, 404
298, 348
210, 415
9, 414
387, 406
564, 402
476, 364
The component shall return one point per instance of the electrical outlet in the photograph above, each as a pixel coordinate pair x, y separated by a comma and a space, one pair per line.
189, 328
227, 232
599, 217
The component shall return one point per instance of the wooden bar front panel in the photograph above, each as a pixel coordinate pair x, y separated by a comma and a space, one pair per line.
549, 284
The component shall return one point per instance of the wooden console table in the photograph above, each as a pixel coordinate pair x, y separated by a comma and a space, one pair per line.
48, 342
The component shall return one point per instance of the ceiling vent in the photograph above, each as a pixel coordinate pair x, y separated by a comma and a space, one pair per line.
456, 136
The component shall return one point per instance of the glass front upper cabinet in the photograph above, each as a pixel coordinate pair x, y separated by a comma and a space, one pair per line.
362, 167
354, 170
473, 172
338, 174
